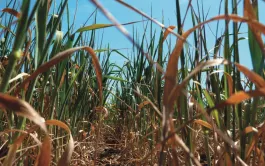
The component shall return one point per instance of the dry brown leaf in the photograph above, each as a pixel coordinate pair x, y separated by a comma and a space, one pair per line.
167, 32
203, 123
44, 157
21, 108
12, 12
46, 66
250, 129
97, 70
141, 105
240, 96
252, 76
66, 157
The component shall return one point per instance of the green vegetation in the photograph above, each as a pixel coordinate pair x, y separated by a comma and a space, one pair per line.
63, 101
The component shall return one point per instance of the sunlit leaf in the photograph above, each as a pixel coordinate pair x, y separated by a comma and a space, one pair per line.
100, 26
167, 32
250, 129
203, 123
2, 26
21, 108
241, 96
141, 105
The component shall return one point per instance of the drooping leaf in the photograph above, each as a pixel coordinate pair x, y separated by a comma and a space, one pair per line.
97, 70
166, 33
252, 76
241, 96
46, 66
12, 12
21, 108
255, 40
44, 157
66, 157
175, 90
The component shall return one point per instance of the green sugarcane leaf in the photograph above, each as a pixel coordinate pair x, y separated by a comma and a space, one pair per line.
100, 26
94, 26
211, 104
2, 26
115, 78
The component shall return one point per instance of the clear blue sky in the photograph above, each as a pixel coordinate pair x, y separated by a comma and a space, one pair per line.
160, 8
